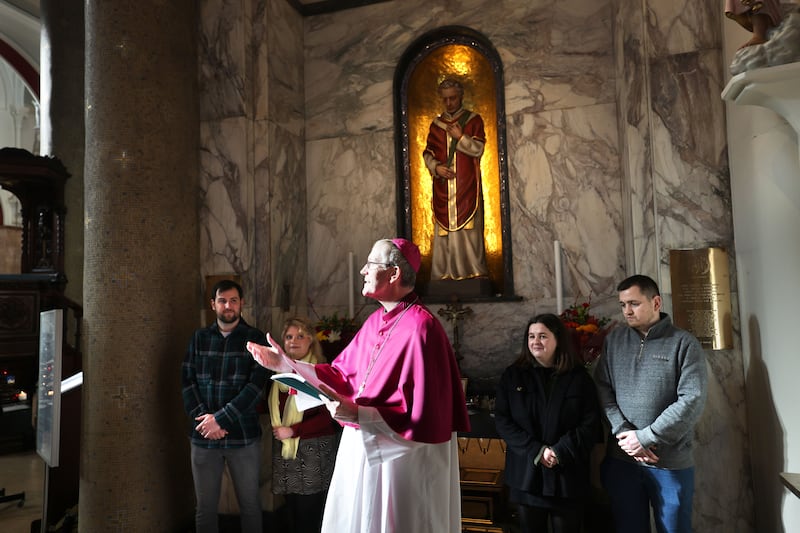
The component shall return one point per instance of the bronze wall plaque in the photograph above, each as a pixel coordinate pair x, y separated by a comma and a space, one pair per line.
701, 295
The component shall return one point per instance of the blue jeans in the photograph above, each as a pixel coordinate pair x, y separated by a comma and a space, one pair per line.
633, 488
243, 465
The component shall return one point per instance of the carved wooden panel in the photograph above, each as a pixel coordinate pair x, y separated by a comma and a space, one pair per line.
19, 313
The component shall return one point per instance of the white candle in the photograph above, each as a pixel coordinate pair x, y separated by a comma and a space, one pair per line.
22, 396
559, 281
350, 287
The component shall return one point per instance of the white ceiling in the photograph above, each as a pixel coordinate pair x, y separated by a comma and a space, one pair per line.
19, 27
31, 7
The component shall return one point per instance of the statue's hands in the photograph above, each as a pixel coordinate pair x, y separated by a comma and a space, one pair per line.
455, 131
445, 172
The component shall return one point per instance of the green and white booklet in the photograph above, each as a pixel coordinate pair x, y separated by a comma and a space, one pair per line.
308, 396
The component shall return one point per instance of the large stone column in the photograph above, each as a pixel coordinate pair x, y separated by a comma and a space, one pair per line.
62, 99
141, 275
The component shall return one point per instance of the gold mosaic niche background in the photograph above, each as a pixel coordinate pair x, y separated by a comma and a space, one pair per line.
473, 70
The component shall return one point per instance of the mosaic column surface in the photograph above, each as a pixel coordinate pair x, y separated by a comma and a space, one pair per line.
141, 274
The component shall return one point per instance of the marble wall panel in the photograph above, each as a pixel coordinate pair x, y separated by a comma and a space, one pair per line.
282, 56
689, 149
682, 26
262, 200
226, 192
564, 185
223, 62
723, 481
227, 201
690, 171
227, 212
287, 250
351, 204
282, 236
259, 49
632, 96
252, 155
491, 339
554, 58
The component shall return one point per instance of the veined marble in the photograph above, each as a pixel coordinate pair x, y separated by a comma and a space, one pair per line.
350, 206
227, 195
252, 154
223, 60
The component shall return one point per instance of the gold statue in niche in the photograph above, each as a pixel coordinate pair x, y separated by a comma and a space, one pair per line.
469, 68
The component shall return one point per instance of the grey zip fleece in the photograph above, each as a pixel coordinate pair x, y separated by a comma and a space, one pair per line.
656, 385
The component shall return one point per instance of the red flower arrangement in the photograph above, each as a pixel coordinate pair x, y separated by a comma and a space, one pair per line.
588, 331
334, 332
333, 328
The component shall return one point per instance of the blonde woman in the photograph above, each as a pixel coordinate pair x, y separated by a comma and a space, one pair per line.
305, 451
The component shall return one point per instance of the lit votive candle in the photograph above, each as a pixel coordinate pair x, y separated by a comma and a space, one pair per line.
22, 396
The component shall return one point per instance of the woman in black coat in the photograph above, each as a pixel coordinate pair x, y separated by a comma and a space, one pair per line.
548, 413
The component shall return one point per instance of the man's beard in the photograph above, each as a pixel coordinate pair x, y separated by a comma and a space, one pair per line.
234, 316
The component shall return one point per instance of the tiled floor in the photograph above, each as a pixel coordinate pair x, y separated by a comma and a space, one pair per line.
22, 471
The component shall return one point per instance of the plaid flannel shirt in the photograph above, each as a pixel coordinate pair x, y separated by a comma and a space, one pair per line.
220, 376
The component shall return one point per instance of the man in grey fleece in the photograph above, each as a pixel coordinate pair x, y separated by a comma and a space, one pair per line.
652, 384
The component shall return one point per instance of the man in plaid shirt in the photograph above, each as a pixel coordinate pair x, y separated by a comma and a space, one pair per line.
222, 385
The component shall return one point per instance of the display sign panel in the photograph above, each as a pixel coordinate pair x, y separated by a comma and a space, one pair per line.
48, 417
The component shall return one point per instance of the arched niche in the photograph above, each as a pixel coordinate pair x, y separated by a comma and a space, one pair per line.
461, 53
